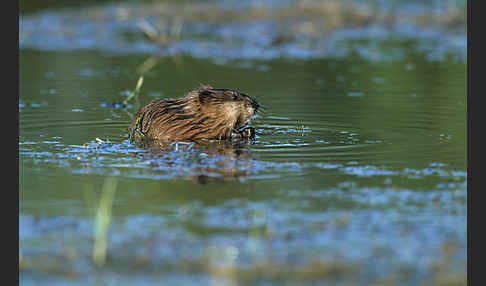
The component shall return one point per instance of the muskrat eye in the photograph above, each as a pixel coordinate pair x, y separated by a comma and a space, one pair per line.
232, 94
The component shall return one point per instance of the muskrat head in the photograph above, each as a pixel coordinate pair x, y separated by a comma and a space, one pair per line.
233, 106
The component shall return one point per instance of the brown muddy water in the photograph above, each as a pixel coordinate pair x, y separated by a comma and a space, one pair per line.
357, 174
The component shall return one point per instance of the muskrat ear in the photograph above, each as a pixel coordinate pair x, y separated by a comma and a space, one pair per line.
204, 86
204, 95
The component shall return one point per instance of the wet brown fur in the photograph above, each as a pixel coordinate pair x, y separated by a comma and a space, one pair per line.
204, 113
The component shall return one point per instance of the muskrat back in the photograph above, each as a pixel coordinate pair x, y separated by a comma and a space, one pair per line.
204, 113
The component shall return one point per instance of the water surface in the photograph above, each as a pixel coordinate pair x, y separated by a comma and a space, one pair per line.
357, 174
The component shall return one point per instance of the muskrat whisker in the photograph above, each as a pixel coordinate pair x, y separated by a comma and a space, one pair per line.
261, 109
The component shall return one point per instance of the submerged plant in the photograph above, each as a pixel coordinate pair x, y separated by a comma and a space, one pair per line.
134, 92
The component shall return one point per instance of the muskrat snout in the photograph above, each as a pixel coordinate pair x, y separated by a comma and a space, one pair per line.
252, 102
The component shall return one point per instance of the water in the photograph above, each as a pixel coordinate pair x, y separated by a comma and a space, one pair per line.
357, 174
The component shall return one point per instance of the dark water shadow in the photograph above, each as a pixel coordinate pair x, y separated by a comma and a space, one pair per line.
203, 161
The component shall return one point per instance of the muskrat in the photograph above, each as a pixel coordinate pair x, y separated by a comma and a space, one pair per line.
204, 113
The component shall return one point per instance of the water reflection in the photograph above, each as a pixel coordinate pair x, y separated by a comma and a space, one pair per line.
206, 160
